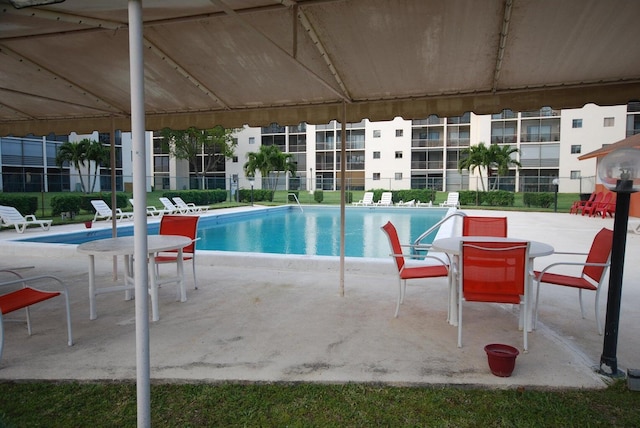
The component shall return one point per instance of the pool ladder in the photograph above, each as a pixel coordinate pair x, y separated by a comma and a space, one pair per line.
418, 248
297, 201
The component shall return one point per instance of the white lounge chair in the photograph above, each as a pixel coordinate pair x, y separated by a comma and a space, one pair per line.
386, 200
104, 212
411, 203
10, 216
452, 200
189, 207
152, 211
367, 199
170, 208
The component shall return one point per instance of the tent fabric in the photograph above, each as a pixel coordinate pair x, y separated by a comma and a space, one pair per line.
65, 67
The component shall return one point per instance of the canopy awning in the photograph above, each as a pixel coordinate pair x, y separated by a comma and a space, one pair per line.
65, 67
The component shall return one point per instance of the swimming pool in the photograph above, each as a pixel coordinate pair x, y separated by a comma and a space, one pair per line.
288, 230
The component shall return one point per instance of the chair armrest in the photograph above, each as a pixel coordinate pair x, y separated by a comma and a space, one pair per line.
11, 272
30, 217
24, 280
569, 253
543, 271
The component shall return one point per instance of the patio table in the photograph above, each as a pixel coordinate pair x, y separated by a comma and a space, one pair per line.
451, 246
123, 246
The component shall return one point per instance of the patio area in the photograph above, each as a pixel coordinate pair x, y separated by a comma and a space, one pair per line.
269, 319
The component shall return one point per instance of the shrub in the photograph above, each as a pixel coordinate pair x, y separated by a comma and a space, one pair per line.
70, 203
499, 198
25, 204
318, 196
348, 197
543, 199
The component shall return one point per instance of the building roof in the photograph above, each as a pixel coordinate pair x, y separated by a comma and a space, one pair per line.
65, 66
632, 142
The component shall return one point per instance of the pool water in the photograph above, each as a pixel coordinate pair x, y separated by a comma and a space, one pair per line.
288, 230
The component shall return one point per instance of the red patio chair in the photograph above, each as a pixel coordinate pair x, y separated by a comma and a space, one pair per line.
22, 295
590, 205
591, 278
484, 226
405, 272
595, 208
607, 208
493, 272
578, 205
183, 225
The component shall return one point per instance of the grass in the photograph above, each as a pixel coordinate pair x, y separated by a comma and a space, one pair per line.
314, 405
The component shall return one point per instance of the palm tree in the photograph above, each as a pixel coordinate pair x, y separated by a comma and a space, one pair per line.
268, 159
501, 159
476, 157
76, 154
99, 154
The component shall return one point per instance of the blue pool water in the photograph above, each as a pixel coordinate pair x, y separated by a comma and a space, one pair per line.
287, 230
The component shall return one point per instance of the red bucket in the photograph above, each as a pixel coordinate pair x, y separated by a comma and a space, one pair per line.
502, 358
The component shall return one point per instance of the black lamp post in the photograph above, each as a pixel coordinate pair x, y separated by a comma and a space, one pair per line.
252, 181
619, 171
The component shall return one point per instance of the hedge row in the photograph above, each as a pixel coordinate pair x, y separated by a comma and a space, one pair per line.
258, 195
496, 198
25, 204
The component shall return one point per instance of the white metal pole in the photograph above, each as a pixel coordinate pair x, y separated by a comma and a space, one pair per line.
136, 60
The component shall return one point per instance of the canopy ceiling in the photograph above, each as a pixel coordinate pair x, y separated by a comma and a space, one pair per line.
65, 67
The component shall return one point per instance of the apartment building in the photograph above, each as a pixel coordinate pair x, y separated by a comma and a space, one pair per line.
395, 154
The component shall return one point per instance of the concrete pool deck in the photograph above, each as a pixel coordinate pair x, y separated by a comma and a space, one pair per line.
275, 318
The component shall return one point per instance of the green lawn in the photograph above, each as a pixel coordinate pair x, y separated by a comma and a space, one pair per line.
313, 405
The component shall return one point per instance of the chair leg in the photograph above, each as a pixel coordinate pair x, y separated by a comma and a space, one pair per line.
69, 332
460, 323
28, 320
193, 265
581, 306
526, 324
399, 297
598, 322
535, 309
1, 336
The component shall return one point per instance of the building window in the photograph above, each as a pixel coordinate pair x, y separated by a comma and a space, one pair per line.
398, 155
398, 176
376, 155
376, 133
609, 121
234, 159
576, 148
576, 123
376, 176
575, 175
252, 140
399, 132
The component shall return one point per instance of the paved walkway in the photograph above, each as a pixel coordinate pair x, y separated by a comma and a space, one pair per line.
283, 319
